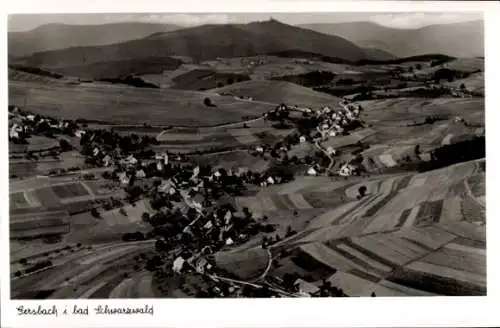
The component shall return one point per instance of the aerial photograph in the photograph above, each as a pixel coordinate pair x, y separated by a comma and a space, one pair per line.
246, 155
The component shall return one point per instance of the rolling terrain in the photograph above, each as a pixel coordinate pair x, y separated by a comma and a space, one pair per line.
231, 160
59, 36
458, 39
203, 43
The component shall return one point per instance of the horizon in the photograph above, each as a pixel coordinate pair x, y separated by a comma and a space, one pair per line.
413, 20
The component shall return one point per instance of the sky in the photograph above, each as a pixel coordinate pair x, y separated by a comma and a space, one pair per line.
23, 22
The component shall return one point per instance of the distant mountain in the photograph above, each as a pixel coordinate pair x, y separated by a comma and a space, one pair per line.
378, 54
59, 36
458, 39
206, 42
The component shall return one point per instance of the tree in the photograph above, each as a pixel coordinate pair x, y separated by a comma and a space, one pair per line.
64, 145
417, 150
95, 213
418, 66
208, 102
462, 87
362, 191
145, 217
230, 81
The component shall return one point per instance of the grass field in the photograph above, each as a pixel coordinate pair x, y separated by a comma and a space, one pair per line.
122, 105
387, 111
280, 92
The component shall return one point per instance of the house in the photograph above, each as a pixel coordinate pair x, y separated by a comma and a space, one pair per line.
259, 149
201, 265
227, 217
96, 151
208, 225
107, 160
332, 133
79, 133
131, 160
305, 288
302, 139
159, 166
31, 117
13, 134
346, 170
270, 180
312, 171
124, 179
330, 151
140, 174
178, 264
196, 171
229, 241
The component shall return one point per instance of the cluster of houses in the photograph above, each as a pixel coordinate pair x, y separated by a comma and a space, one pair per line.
22, 125
330, 124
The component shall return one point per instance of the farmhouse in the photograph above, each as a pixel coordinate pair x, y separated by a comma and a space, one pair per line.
311, 171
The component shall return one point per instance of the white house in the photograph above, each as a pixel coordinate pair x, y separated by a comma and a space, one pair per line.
332, 133
79, 133
107, 160
124, 179
31, 117
270, 180
178, 264
131, 160
159, 166
227, 217
229, 241
331, 151
259, 149
140, 174
96, 151
302, 139
13, 134
312, 171
346, 170
208, 225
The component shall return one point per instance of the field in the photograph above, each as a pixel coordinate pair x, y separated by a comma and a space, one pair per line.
406, 226
65, 193
131, 105
224, 137
280, 92
475, 83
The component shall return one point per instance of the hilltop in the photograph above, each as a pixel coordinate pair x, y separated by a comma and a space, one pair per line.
458, 40
206, 42
59, 36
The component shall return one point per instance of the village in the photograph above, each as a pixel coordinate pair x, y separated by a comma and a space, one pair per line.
193, 218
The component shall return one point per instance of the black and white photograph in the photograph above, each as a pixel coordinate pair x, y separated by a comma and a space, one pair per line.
246, 155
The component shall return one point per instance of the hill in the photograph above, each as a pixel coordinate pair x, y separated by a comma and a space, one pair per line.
278, 92
378, 54
114, 69
460, 39
206, 42
59, 36
128, 105
400, 244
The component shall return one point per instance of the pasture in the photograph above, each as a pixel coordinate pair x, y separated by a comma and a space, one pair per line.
124, 105
280, 92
